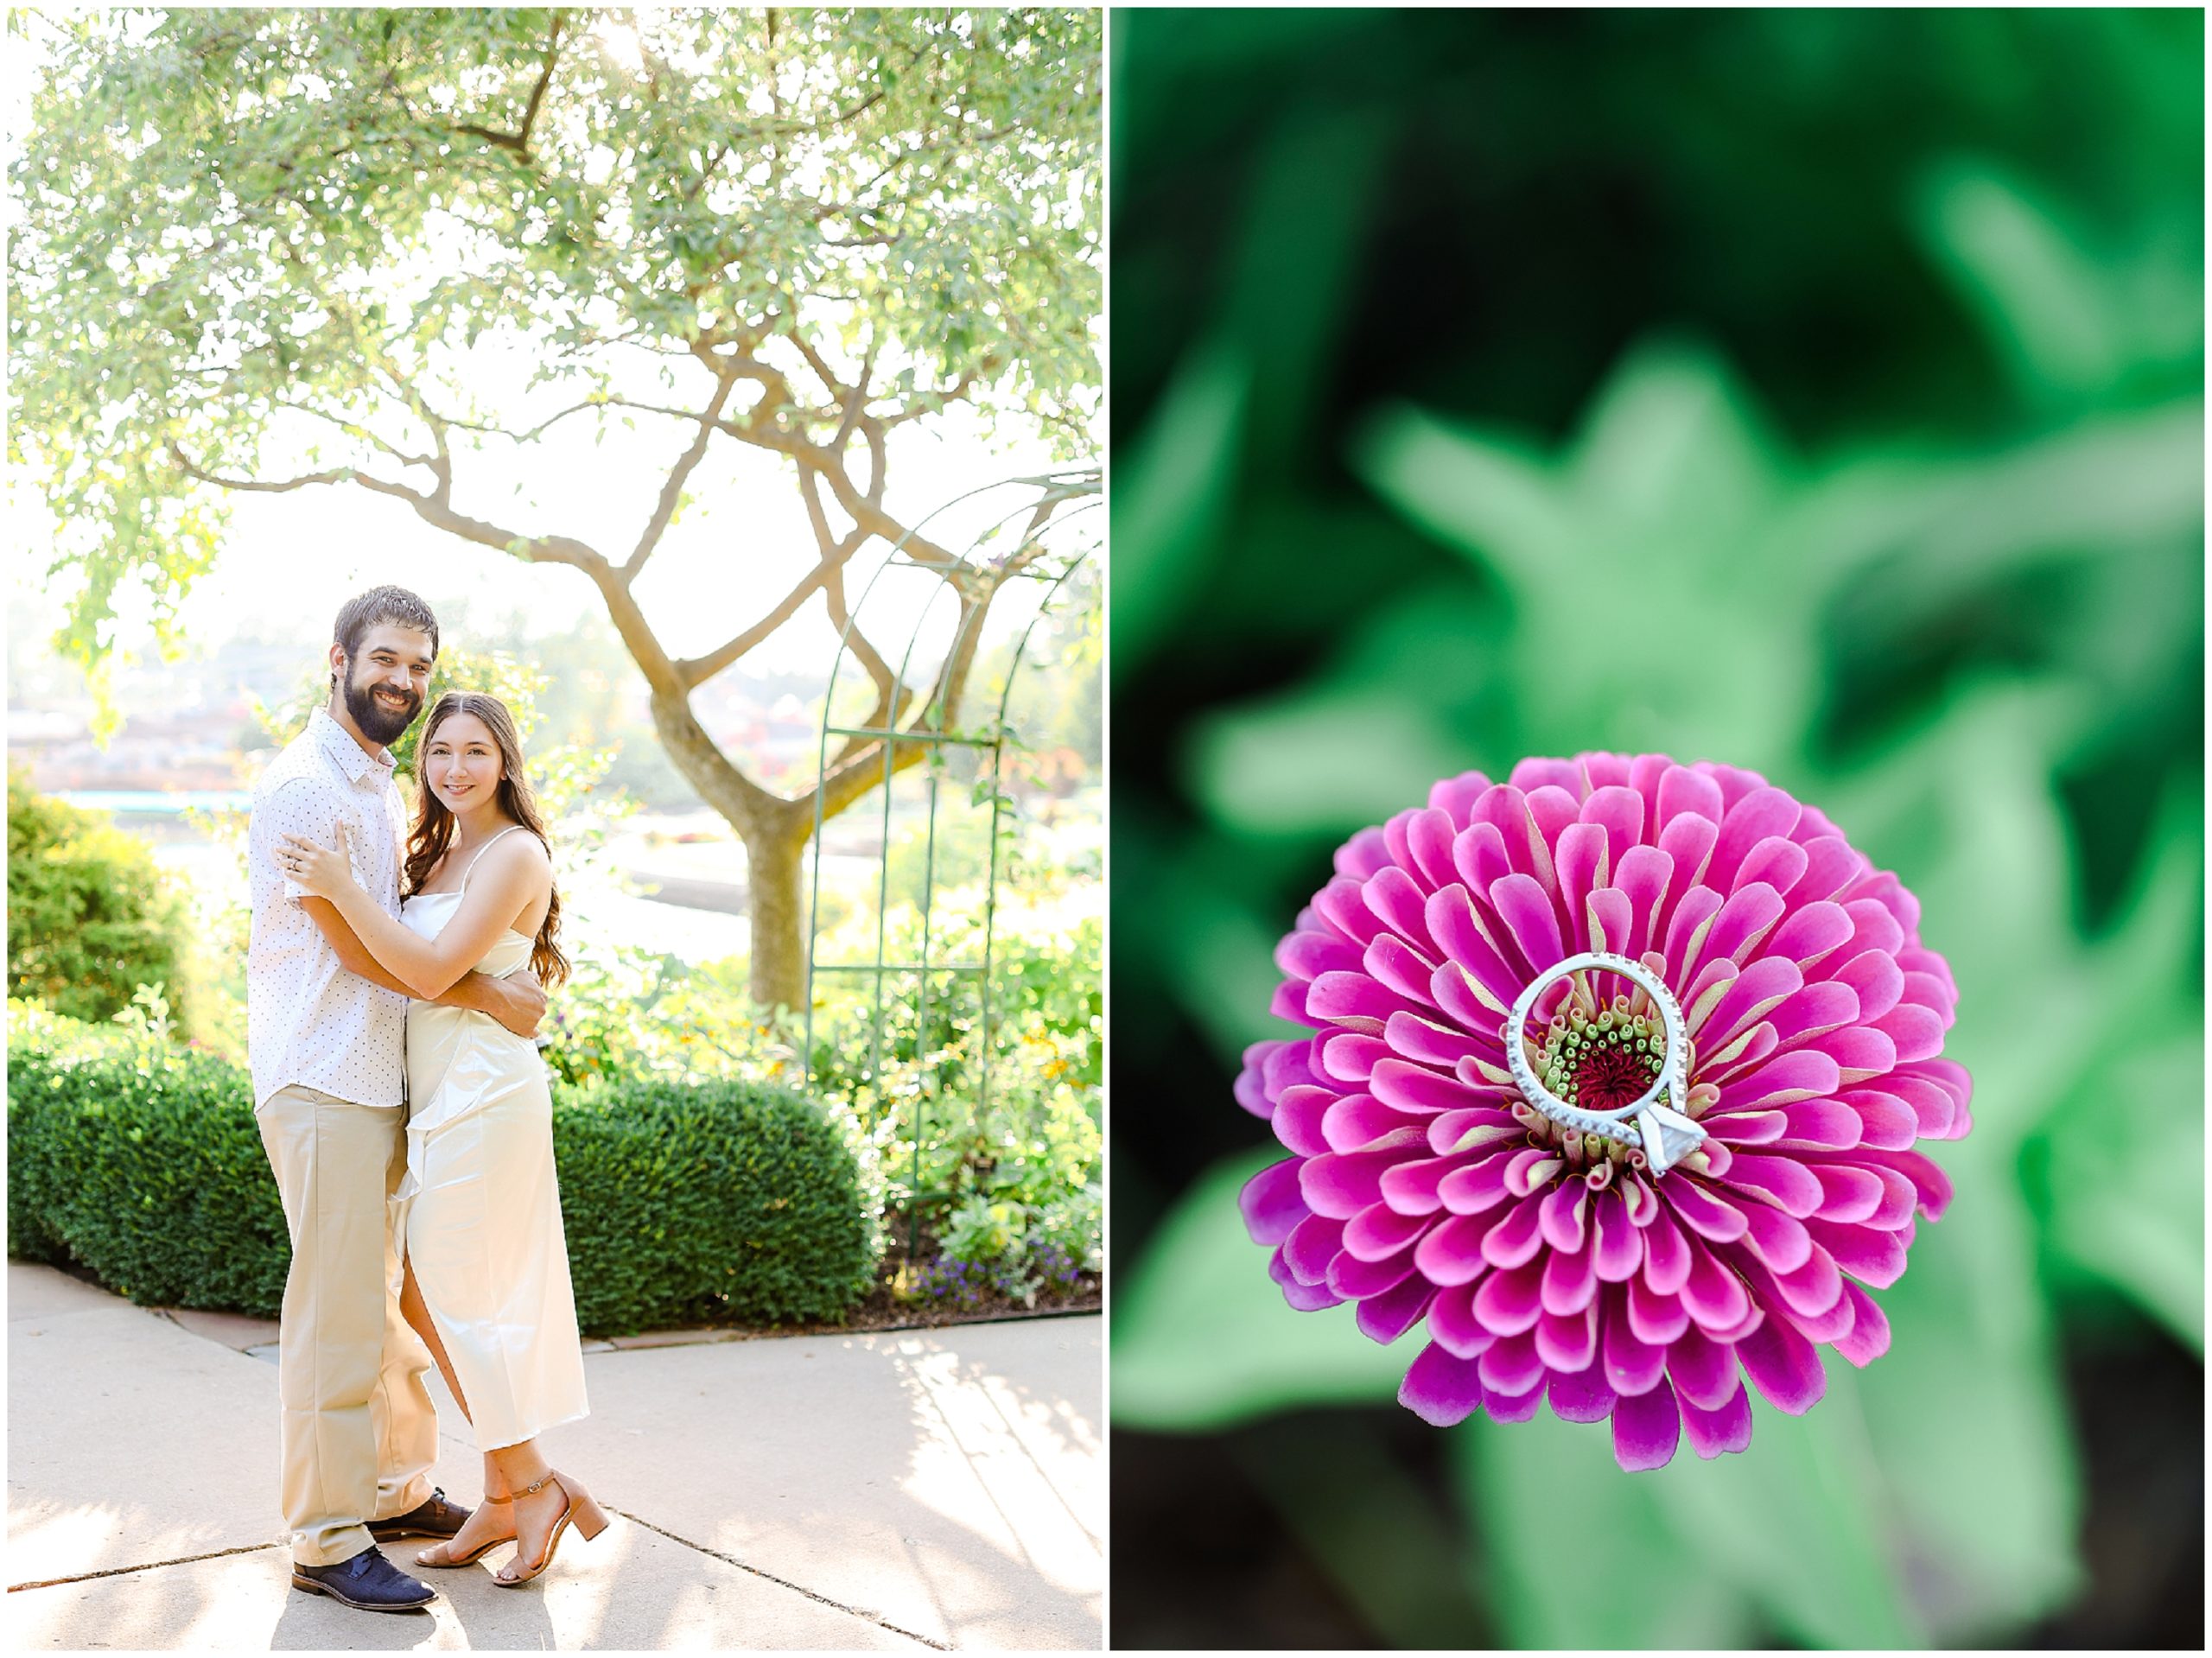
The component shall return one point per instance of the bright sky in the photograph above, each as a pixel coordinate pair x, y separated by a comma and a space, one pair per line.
290, 561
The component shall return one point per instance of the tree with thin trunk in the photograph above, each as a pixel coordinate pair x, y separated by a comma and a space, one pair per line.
262, 251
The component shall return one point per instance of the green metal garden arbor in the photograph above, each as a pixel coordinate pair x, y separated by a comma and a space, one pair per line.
1057, 516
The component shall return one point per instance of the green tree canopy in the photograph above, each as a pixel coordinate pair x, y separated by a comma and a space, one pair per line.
264, 251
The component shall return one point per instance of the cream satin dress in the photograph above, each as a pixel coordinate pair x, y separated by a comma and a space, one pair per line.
482, 1206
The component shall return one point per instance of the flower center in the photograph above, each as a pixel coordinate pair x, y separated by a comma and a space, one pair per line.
1605, 1062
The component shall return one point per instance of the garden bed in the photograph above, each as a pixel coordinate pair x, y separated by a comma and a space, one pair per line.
883, 1313
885, 1308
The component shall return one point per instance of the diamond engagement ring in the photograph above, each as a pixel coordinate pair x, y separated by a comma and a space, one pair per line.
1663, 1133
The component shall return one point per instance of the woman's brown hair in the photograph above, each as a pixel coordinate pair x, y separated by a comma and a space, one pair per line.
433, 824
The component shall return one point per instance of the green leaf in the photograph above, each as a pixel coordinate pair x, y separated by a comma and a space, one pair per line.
2118, 1163
1966, 1419
1798, 1524
1171, 497
1367, 733
2127, 1183
2058, 317
1202, 1337
1545, 1496
1328, 759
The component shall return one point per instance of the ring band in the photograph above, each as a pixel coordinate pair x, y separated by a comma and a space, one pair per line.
1665, 1134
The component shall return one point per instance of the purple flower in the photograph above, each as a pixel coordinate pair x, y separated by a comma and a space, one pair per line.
947, 1278
1553, 1266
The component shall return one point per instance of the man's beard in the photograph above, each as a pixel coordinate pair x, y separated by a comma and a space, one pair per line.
379, 723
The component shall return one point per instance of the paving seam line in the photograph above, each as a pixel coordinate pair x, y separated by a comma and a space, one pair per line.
256, 1549
150, 1566
784, 1583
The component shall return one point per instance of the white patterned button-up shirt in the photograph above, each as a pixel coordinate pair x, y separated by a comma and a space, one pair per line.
308, 1020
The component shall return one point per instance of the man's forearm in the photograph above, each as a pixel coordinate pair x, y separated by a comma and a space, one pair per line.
477, 992
517, 1001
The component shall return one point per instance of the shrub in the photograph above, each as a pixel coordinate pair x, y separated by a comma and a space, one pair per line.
686, 1202
141, 1160
683, 1202
91, 916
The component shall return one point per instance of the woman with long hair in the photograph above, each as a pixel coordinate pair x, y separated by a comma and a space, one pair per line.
485, 1273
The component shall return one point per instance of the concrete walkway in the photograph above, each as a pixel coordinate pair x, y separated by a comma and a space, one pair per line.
909, 1490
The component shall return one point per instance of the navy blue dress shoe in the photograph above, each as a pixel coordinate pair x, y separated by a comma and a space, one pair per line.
436, 1518
367, 1582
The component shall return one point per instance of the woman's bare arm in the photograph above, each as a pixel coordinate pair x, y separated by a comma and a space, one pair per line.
510, 880
517, 1001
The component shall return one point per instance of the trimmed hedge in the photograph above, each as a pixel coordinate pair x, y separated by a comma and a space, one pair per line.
690, 1203
139, 1159
684, 1203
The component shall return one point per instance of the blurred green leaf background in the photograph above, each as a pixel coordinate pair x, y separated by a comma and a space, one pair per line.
1821, 392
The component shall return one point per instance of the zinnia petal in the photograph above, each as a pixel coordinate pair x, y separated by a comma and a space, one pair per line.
1581, 1396
1646, 1429
1272, 1203
1441, 1387
1728, 1427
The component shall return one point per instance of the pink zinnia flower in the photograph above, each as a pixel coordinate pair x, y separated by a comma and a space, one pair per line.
1552, 1265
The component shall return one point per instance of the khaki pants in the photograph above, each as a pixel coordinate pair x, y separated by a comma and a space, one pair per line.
360, 1431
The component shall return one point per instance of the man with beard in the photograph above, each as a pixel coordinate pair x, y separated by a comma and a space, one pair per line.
326, 1033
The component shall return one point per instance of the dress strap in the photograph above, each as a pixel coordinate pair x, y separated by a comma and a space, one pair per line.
479, 858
